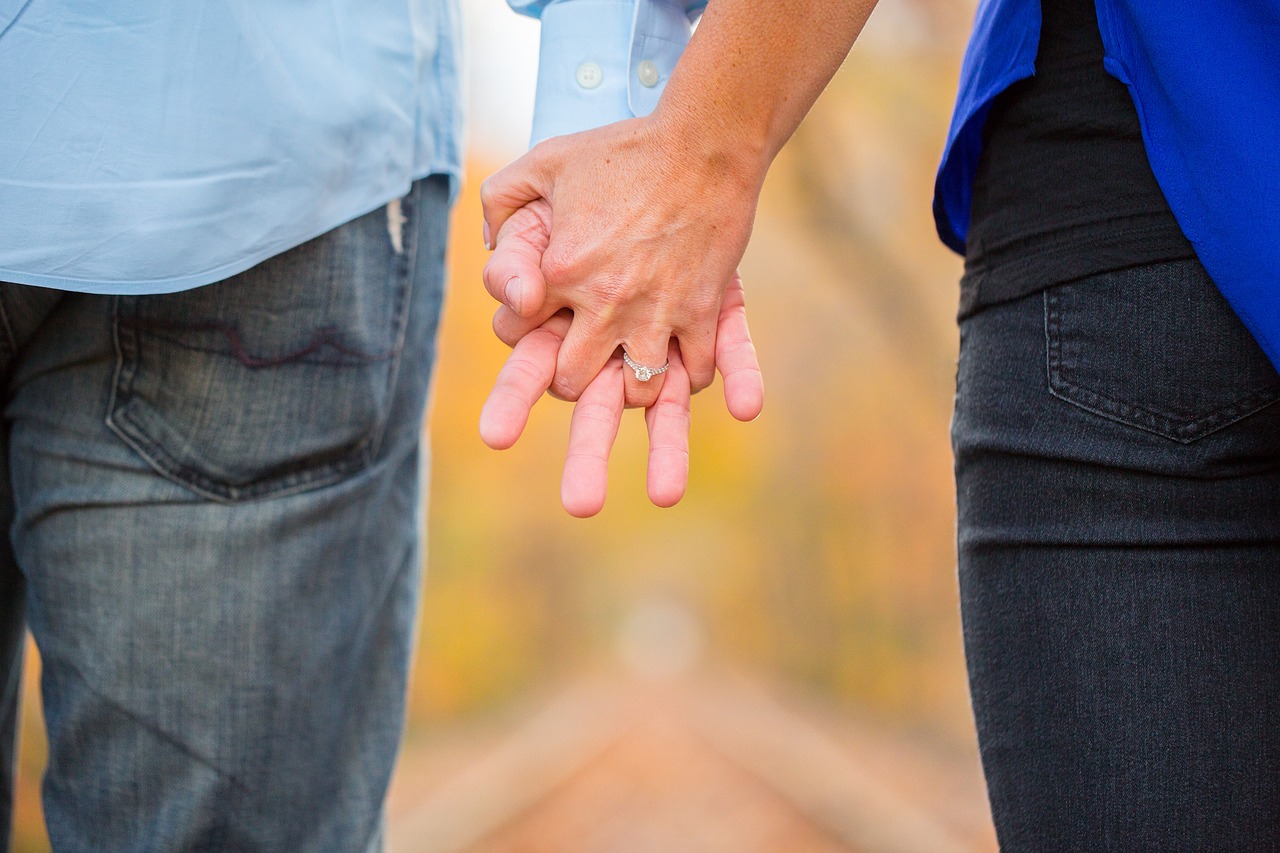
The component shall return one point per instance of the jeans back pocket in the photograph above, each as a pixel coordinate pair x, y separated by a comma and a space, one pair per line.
274, 381
1155, 347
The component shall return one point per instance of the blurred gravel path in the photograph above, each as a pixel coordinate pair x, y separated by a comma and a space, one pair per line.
714, 765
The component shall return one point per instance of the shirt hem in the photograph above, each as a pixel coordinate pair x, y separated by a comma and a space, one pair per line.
177, 284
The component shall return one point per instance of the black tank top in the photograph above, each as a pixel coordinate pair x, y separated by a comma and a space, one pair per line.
1063, 189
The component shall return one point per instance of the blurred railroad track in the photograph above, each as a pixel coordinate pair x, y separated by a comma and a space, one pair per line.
707, 765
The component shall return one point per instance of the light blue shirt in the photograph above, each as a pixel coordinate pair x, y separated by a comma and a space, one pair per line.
159, 145
156, 145
603, 61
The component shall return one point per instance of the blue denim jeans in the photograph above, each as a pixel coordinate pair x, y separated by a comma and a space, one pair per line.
213, 500
1118, 476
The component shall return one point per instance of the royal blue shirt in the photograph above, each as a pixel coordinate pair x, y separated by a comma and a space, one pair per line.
156, 145
1205, 79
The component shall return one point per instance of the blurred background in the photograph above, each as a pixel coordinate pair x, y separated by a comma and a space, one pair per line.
775, 664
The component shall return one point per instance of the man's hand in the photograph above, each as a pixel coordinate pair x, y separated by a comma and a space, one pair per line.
598, 412
596, 417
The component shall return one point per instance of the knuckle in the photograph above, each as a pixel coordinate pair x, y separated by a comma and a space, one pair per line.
559, 265
592, 456
540, 210
523, 367
667, 447
700, 381
705, 306
508, 393
642, 397
702, 332
671, 410
603, 316
597, 413
615, 291
564, 390
548, 149
738, 350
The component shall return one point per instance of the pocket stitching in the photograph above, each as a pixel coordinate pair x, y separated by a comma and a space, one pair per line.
120, 421
319, 341
1136, 416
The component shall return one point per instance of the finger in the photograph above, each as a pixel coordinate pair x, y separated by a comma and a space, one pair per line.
668, 422
736, 357
513, 275
698, 356
559, 323
514, 186
510, 327
582, 355
643, 380
522, 380
591, 434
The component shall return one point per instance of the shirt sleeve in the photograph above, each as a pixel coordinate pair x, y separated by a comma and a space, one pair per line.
603, 61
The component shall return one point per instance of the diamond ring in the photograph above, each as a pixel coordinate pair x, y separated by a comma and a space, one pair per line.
644, 374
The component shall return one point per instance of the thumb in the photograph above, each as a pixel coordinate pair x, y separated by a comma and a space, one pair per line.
514, 186
513, 275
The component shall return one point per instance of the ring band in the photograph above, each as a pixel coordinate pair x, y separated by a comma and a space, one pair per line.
644, 374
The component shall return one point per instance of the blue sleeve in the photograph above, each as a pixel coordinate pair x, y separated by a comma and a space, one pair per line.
603, 61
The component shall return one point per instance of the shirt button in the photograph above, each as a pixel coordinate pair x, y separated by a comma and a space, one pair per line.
589, 75
648, 73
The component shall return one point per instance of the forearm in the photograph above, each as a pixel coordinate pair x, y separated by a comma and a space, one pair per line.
750, 74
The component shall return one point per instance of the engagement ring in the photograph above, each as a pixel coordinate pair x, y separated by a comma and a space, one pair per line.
644, 374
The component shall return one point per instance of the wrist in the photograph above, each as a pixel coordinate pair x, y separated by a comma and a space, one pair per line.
728, 148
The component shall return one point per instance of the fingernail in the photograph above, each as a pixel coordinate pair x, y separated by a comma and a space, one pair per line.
515, 294
487, 244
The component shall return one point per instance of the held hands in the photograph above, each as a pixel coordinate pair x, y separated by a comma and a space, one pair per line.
648, 231
522, 243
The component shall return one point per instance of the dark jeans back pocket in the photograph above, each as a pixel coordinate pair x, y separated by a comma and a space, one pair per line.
274, 381
1158, 348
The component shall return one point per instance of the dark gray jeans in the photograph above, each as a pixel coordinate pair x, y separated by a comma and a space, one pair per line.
1118, 477
213, 506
